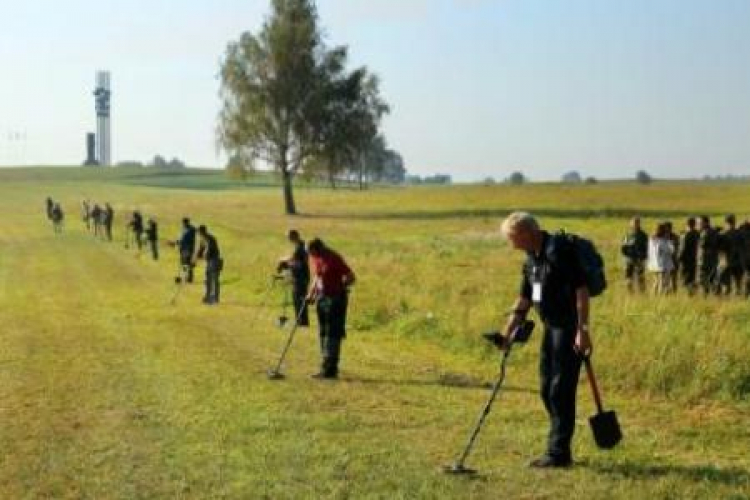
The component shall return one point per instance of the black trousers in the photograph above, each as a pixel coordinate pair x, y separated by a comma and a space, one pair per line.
332, 325
559, 368
213, 269
186, 261
299, 293
154, 246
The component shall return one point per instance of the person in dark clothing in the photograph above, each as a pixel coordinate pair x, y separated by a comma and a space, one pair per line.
209, 250
108, 216
96, 218
554, 282
330, 291
57, 217
136, 226
635, 250
688, 256
732, 258
299, 268
745, 230
186, 246
708, 256
152, 237
49, 205
675, 240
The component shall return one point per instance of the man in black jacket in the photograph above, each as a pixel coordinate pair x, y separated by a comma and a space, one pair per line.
554, 282
299, 268
635, 250
209, 250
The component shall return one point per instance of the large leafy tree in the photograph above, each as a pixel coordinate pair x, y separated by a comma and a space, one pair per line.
288, 99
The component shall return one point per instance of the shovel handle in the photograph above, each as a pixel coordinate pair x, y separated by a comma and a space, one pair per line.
592, 382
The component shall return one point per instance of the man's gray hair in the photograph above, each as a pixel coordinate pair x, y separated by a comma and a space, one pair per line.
518, 221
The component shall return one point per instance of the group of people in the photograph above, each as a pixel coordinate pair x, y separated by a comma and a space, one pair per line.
554, 282
137, 232
713, 260
98, 219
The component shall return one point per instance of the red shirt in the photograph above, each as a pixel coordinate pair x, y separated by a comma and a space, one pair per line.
330, 269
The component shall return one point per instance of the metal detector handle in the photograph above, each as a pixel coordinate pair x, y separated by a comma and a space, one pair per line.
592, 382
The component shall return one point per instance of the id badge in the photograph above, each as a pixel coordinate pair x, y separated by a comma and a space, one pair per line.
536, 292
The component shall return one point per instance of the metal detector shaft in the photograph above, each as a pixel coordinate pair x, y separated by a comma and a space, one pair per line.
485, 411
183, 277
289, 339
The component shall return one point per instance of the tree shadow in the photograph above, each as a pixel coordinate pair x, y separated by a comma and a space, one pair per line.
424, 215
731, 476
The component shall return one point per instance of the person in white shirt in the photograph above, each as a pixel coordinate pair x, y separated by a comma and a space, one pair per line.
661, 252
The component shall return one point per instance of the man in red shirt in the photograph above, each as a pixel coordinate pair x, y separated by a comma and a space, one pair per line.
330, 291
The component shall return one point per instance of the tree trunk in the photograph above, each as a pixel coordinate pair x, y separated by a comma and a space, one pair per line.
286, 178
361, 172
332, 178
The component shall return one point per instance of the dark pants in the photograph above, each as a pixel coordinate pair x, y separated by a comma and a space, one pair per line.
108, 231
332, 324
186, 262
154, 246
213, 269
299, 293
730, 276
559, 368
689, 271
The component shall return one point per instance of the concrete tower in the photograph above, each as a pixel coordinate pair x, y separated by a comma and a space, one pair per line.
102, 94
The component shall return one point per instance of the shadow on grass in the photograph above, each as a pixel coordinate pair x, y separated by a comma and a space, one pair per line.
731, 476
447, 380
592, 213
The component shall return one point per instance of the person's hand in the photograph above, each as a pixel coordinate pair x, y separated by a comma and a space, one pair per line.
310, 299
582, 343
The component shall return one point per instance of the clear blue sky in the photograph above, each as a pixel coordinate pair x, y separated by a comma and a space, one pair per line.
478, 87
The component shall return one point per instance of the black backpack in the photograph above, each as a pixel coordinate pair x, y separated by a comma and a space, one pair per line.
591, 262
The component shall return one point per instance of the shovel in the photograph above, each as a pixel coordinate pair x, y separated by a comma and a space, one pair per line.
604, 424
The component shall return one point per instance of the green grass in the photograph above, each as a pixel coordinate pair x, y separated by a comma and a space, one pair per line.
108, 392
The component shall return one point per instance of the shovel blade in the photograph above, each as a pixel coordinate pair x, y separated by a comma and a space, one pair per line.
606, 429
275, 375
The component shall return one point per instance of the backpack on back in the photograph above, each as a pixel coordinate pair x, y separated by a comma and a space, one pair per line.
591, 263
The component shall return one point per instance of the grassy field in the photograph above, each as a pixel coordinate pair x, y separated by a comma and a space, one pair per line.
107, 391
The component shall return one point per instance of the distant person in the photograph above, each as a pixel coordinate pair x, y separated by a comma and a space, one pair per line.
688, 256
58, 217
49, 205
299, 268
186, 247
731, 258
136, 227
745, 229
661, 259
152, 237
96, 219
86, 214
109, 218
675, 240
635, 250
331, 294
708, 255
209, 250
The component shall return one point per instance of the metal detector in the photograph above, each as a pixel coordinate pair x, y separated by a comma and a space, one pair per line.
519, 336
275, 373
179, 282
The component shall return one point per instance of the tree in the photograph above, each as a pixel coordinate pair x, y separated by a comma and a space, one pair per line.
286, 98
517, 178
572, 177
591, 180
158, 162
642, 177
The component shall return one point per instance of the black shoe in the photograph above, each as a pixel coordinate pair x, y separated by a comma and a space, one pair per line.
324, 376
548, 462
